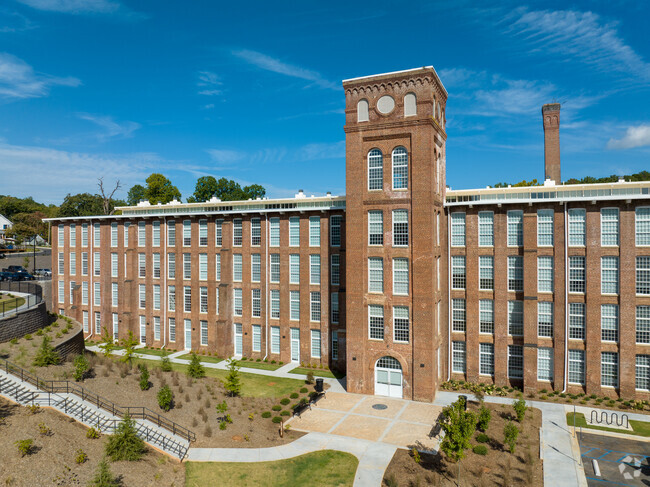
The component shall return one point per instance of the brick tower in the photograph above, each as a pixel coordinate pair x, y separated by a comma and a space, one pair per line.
551, 117
395, 189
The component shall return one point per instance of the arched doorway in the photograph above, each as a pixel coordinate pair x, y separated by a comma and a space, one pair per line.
388, 377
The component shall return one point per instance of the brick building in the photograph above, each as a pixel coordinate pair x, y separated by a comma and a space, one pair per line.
403, 283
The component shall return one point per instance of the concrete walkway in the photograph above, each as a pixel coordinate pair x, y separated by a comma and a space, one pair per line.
373, 457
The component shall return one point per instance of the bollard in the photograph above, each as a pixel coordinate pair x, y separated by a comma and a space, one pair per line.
594, 462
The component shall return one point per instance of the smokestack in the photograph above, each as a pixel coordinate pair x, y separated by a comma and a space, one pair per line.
551, 118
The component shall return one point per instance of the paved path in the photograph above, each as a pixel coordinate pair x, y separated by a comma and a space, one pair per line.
373, 457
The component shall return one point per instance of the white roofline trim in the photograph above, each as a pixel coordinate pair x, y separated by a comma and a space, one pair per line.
359, 78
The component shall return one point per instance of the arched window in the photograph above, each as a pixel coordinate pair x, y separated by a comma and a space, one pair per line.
410, 105
375, 169
389, 363
400, 168
362, 111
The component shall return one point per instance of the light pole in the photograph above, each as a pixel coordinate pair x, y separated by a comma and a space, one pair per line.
34, 258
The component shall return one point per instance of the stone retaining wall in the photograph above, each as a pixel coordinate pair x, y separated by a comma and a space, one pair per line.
27, 321
73, 345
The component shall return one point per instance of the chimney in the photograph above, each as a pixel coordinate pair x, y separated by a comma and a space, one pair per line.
551, 118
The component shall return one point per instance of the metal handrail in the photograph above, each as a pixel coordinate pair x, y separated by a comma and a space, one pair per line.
34, 290
64, 386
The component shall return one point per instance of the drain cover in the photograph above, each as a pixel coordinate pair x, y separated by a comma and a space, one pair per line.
379, 406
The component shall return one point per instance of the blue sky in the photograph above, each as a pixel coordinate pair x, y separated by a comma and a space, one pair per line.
252, 90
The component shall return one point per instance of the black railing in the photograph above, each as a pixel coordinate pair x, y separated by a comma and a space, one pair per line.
67, 387
34, 296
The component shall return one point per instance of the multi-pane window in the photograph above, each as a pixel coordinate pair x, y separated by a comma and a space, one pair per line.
643, 275
609, 275
142, 234
515, 273
171, 298
609, 227
515, 361
642, 226
335, 230
294, 305
96, 235
218, 233
577, 274
609, 322
73, 234
401, 276
458, 229
577, 227
515, 318
84, 292
458, 315
114, 266
375, 275
375, 169
217, 264
400, 228
458, 272
609, 369
171, 233
256, 267
545, 364
61, 235
485, 228
486, 272
294, 231
314, 269
486, 316
61, 292
376, 322
203, 299
203, 233
171, 266
275, 267
238, 305
156, 296
84, 235
375, 227
294, 269
73, 263
98, 322
314, 231
237, 236
84, 263
315, 343
401, 324
545, 274
545, 228
334, 304
275, 303
116, 327
486, 358
275, 339
187, 233
142, 295
256, 303
187, 266
113, 234
515, 228
142, 265
256, 231
458, 357
203, 267
96, 263
274, 232
204, 332
156, 264
72, 286
335, 269
61, 262
577, 367
172, 329
400, 168
545, 319
642, 372
187, 298
314, 302
335, 345
155, 233
114, 294
257, 338
643, 324
577, 321
237, 267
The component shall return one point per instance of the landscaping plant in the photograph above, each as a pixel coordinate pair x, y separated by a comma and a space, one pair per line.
81, 368
107, 344
165, 363
520, 408
165, 398
459, 425
195, 369
125, 444
480, 450
310, 377
484, 417
222, 407
46, 354
510, 434
129, 344
80, 456
144, 377
233, 382
25, 446
92, 433
104, 477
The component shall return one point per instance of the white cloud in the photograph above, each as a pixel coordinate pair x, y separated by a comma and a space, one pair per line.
582, 36
74, 6
304, 153
111, 127
634, 137
18, 79
225, 156
14, 22
209, 82
274, 65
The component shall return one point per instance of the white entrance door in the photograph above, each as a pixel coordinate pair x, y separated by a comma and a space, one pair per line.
388, 377
188, 335
295, 344
239, 346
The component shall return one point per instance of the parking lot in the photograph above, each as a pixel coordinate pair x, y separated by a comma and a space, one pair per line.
621, 461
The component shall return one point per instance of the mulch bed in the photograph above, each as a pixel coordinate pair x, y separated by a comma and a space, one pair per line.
498, 467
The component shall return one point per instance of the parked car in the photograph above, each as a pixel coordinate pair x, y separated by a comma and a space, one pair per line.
15, 268
8, 276
43, 272
23, 276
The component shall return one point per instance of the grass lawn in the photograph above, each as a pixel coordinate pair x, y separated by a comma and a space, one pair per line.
155, 351
327, 468
331, 374
207, 359
11, 303
253, 385
641, 428
259, 365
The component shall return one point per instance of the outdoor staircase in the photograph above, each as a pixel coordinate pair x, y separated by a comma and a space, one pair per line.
71, 405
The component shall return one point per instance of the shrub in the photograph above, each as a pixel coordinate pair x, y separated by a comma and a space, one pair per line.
80, 456
34, 409
277, 407
223, 425
294, 395
165, 363
273, 361
266, 414
195, 369
165, 398
25, 447
92, 433
304, 390
104, 477
39, 332
251, 416
484, 417
46, 354
520, 408
285, 401
281, 362
81, 368
482, 438
222, 407
510, 434
13, 341
44, 430
480, 450
129, 343
125, 444
416, 455
310, 377
459, 425
277, 419
144, 377
285, 413
233, 382
28, 337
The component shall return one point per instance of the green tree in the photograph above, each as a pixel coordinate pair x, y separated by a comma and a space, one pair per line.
144, 377
510, 434
81, 368
108, 343
484, 417
165, 398
195, 369
125, 444
26, 225
520, 408
233, 381
10, 206
459, 425
46, 354
206, 188
82, 204
135, 195
165, 363
160, 190
129, 344
104, 477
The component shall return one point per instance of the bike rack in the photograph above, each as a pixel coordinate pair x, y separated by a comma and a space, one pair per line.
609, 418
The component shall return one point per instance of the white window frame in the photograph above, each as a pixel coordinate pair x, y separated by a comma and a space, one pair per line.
486, 229
515, 222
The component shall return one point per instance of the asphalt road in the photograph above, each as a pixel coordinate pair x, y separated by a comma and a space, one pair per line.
621, 462
43, 260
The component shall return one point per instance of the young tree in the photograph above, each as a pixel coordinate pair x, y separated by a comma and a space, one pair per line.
233, 382
510, 434
195, 369
81, 367
520, 408
165, 398
129, 344
107, 344
160, 190
144, 377
46, 354
125, 444
459, 425
165, 363
484, 417
104, 477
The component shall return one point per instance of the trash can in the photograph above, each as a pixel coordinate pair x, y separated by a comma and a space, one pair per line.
319, 385
463, 400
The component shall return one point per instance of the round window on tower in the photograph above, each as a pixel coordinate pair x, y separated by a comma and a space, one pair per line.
385, 104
